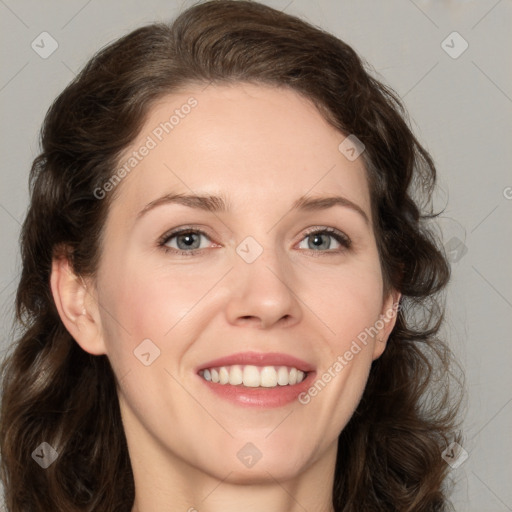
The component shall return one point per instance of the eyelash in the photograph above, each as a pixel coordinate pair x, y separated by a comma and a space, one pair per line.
340, 237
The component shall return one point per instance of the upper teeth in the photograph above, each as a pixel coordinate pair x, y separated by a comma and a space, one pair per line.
254, 376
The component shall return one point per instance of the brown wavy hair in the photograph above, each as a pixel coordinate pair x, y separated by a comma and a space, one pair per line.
389, 454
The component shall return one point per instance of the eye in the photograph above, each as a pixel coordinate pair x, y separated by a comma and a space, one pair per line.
187, 241
319, 239
184, 241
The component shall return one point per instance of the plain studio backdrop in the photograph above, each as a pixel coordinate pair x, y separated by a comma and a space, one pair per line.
449, 60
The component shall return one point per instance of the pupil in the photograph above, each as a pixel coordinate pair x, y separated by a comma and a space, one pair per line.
188, 239
318, 241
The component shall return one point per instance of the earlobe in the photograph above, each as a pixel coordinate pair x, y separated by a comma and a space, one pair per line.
386, 322
77, 308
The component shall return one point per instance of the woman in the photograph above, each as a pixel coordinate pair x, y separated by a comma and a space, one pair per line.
229, 294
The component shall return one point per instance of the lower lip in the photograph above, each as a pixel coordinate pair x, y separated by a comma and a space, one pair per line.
260, 397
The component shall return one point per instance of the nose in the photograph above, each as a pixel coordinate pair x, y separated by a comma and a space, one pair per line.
263, 293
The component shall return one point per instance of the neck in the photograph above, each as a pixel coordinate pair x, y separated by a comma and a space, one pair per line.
222, 496
165, 482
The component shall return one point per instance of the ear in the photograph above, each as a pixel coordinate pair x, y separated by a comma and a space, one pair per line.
77, 307
386, 322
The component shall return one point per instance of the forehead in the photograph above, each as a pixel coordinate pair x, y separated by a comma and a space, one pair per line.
243, 141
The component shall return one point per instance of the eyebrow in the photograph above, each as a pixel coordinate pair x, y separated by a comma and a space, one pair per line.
216, 204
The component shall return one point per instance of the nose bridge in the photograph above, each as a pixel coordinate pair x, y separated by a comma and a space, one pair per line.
262, 263
261, 283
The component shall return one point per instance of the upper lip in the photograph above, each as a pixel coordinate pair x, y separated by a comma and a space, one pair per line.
258, 359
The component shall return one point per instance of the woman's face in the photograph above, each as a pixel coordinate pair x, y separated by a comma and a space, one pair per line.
250, 282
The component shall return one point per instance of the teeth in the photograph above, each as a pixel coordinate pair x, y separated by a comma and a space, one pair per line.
223, 376
251, 377
235, 376
254, 376
268, 377
282, 376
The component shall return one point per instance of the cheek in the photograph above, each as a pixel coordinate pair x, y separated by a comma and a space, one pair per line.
346, 300
148, 301
347, 353
160, 301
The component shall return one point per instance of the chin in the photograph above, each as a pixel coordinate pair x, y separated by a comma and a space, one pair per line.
264, 470
261, 474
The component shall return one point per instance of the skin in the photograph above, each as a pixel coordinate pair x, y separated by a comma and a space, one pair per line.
261, 148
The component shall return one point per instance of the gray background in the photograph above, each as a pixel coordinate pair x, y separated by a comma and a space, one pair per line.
460, 109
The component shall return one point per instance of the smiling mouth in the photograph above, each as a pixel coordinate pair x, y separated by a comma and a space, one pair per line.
252, 376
